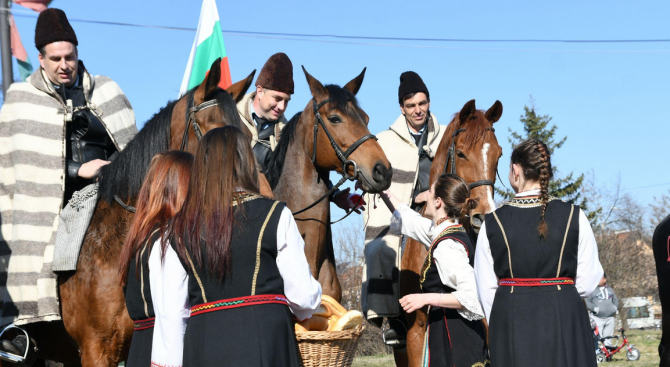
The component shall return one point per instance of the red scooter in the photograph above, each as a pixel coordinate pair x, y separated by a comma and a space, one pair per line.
606, 352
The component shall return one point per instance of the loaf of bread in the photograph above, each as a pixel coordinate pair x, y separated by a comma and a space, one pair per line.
334, 306
314, 323
350, 320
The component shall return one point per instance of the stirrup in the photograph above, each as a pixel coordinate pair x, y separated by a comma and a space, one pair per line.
11, 357
393, 343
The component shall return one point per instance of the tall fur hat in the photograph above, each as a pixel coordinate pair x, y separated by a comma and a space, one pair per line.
277, 74
53, 26
411, 82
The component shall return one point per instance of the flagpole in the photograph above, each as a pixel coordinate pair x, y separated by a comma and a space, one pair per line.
5, 47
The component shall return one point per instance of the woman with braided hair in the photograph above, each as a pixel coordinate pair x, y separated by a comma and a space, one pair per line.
455, 335
536, 256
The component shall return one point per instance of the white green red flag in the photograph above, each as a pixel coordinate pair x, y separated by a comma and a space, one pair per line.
207, 47
19, 52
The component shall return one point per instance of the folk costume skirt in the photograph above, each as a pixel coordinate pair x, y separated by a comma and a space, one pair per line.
453, 341
259, 335
140, 347
540, 326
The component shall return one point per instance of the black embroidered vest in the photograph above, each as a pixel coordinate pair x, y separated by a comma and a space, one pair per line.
430, 277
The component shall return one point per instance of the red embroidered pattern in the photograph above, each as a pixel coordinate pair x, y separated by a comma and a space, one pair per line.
144, 324
534, 282
238, 302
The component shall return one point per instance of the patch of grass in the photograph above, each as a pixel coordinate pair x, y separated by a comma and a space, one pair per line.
646, 341
374, 361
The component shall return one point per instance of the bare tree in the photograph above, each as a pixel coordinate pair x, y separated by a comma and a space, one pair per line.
349, 245
623, 239
660, 208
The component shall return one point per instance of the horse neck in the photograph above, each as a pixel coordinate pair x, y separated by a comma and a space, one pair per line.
301, 183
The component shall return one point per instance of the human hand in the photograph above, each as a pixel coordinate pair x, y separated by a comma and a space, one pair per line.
422, 197
413, 302
346, 201
90, 169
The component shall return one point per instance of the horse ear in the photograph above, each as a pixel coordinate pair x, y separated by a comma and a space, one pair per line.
493, 114
355, 84
238, 89
211, 82
468, 110
315, 86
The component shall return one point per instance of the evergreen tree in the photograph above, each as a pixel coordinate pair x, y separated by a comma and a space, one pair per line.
536, 126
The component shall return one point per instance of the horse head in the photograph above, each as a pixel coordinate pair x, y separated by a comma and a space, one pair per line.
194, 110
470, 149
342, 140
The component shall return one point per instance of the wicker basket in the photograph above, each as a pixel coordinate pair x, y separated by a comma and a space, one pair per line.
328, 348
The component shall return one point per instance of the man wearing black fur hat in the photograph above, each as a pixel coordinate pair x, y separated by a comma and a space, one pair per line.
410, 145
262, 112
56, 130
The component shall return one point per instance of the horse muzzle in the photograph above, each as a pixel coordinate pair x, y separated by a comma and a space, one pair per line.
376, 180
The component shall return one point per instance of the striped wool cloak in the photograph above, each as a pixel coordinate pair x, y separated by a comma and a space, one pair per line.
32, 180
380, 291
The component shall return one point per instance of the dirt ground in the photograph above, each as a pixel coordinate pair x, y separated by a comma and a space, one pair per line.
646, 341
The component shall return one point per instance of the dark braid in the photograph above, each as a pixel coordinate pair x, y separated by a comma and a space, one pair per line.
533, 156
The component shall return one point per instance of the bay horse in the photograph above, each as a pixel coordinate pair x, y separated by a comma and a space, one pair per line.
330, 134
475, 153
95, 328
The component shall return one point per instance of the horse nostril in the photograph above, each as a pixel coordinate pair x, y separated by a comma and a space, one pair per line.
478, 220
379, 172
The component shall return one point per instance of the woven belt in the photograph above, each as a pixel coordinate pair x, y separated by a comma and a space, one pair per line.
225, 304
144, 324
534, 282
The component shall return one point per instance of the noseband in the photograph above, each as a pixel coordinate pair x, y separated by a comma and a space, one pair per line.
343, 156
191, 121
451, 157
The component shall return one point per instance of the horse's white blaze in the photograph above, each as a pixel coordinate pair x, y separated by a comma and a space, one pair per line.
489, 190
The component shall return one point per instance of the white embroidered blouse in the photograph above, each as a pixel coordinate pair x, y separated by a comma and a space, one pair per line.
451, 258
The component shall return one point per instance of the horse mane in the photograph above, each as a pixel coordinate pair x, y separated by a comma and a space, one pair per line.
124, 176
337, 95
475, 128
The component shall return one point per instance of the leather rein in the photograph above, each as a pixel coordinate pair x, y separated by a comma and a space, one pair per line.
343, 156
190, 121
451, 158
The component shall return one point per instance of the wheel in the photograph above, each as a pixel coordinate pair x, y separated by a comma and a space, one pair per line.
600, 357
633, 354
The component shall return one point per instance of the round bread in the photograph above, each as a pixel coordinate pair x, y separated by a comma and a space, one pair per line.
315, 323
349, 320
323, 311
299, 327
333, 305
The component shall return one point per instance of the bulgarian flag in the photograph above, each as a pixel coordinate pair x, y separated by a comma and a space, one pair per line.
207, 47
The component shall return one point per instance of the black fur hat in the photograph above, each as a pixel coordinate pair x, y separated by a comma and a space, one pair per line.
411, 82
53, 26
277, 74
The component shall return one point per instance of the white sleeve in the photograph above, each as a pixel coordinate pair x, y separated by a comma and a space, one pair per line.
169, 292
589, 269
300, 288
485, 276
455, 271
414, 225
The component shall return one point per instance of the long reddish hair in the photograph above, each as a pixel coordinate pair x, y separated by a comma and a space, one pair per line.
224, 166
161, 196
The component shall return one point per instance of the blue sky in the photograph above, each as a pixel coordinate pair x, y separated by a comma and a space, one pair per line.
609, 99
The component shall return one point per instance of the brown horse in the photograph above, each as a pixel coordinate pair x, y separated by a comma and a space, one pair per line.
297, 173
96, 329
476, 153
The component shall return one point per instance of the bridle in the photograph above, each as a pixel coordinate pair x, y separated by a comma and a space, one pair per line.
190, 121
343, 156
451, 158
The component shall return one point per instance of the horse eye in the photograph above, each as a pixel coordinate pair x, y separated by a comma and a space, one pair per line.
460, 154
334, 119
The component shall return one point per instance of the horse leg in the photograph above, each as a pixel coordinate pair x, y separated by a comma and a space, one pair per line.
330, 283
400, 357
